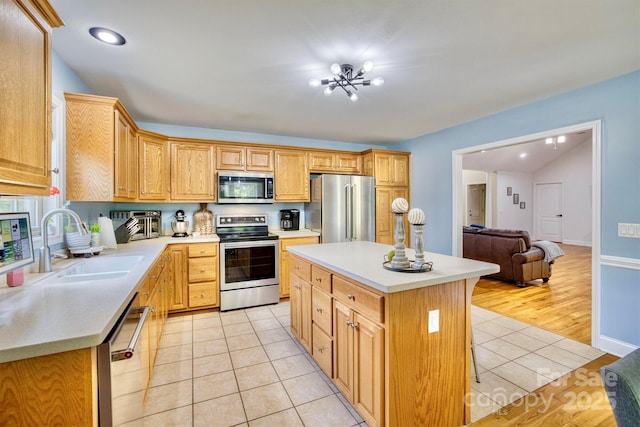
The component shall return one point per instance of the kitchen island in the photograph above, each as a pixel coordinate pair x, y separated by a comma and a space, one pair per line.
396, 344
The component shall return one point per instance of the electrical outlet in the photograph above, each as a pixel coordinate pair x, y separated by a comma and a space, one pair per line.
434, 321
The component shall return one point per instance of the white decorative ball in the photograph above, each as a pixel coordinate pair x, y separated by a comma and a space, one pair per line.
416, 216
400, 205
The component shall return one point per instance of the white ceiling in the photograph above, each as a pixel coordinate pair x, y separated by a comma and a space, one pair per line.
245, 65
537, 155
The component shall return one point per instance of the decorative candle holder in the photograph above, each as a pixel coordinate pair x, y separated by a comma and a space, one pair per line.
419, 262
400, 259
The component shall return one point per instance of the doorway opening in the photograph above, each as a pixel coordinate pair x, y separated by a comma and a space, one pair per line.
459, 202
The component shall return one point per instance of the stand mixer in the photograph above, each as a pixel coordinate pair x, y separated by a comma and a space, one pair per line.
180, 227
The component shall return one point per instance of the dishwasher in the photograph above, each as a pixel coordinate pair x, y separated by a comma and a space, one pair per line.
121, 374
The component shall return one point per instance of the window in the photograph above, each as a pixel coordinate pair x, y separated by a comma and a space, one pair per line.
38, 205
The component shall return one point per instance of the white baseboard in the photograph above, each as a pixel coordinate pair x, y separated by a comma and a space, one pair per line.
614, 346
576, 242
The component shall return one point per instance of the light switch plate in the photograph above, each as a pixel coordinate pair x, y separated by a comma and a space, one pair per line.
629, 230
434, 321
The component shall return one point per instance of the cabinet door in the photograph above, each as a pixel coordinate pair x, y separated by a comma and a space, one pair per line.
385, 220
322, 162
25, 130
259, 159
121, 153
305, 310
192, 172
153, 168
368, 355
230, 158
291, 176
132, 164
178, 262
348, 163
343, 349
391, 169
285, 260
295, 305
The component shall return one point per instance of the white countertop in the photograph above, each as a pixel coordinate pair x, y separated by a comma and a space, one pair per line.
41, 318
282, 234
362, 262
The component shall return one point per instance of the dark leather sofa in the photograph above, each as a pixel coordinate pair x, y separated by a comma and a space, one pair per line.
511, 249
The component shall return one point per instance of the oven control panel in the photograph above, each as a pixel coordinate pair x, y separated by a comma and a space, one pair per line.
232, 220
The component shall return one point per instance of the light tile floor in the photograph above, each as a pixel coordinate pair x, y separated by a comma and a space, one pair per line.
243, 368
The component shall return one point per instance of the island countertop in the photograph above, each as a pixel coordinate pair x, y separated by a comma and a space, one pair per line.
362, 262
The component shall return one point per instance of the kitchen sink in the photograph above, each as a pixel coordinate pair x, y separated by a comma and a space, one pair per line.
98, 269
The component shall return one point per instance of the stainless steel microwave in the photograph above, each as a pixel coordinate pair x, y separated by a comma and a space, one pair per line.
245, 187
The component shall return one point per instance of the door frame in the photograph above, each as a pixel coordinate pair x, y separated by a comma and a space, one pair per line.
458, 195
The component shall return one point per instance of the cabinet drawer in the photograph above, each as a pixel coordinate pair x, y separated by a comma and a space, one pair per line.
321, 277
358, 298
322, 350
201, 294
202, 249
202, 269
321, 309
301, 268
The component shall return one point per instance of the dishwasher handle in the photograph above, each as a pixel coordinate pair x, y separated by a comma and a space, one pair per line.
127, 353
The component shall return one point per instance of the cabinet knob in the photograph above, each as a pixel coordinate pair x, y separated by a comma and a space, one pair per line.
202, 295
351, 297
201, 251
120, 187
319, 310
296, 286
318, 279
202, 270
142, 192
320, 349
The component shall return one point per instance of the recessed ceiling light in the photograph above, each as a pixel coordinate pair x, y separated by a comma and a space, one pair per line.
523, 155
548, 141
107, 36
562, 138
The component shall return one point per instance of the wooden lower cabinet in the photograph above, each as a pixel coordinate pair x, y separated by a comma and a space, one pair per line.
195, 276
285, 268
383, 359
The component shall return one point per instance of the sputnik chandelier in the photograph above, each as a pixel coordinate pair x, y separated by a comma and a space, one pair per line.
347, 80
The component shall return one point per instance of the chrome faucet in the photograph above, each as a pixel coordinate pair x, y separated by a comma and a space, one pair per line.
45, 252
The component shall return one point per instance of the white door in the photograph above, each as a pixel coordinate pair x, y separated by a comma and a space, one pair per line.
476, 202
549, 212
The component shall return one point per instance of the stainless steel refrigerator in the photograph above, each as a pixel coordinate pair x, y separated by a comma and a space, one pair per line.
342, 208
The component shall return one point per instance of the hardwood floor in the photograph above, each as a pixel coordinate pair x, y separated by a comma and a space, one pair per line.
577, 399
563, 305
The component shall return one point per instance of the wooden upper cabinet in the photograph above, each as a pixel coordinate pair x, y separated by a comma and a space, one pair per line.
25, 110
153, 166
388, 167
126, 157
335, 162
244, 158
291, 176
192, 171
102, 147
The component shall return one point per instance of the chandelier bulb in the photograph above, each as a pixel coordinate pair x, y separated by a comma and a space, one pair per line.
328, 91
367, 66
378, 81
314, 82
353, 97
336, 69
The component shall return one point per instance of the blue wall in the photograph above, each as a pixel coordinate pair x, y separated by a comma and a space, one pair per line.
616, 103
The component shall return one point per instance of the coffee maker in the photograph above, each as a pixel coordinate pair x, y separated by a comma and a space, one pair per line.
290, 219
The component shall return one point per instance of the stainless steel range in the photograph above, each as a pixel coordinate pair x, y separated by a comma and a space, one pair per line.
249, 262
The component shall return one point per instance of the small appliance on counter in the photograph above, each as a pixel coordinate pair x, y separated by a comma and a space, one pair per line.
290, 219
148, 222
180, 227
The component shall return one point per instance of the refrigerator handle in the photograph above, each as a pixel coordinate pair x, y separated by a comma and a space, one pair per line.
347, 212
351, 219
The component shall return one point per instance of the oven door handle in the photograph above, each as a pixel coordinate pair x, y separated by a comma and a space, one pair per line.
127, 353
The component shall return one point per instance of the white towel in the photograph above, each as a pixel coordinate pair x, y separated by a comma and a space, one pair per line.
551, 250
